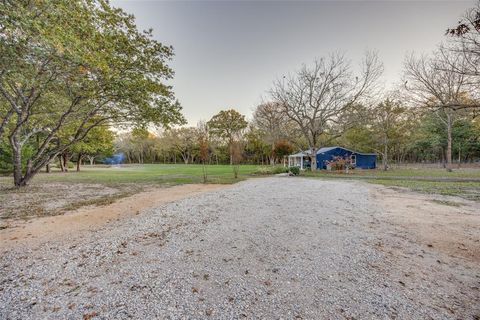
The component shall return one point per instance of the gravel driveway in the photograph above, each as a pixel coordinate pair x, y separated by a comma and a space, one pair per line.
270, 248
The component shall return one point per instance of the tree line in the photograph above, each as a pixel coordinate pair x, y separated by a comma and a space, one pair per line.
73, 70
431, 117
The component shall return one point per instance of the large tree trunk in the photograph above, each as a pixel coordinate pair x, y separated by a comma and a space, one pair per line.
272, 156
385, 155
272, 160
66, 159
17, 161
449, 142
459, 158
62, 168
313, 157
79, 161
20, 179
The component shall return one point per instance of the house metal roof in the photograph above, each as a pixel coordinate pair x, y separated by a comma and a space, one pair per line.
326, 149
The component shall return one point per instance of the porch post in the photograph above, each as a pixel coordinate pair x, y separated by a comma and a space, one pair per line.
301, 162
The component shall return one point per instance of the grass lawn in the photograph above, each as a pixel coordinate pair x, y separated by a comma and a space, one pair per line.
167, 174
102, 185
57, 192
464, 183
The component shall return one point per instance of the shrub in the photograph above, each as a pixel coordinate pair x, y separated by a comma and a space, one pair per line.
295, 171
263, 170
266, 170
339, 163
277, 170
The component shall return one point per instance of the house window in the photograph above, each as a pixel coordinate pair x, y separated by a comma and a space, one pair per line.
353, 159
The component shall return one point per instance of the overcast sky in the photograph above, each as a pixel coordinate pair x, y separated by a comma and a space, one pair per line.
228, 53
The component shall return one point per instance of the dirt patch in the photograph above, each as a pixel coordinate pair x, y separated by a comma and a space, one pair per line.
447, 224
16, 231
49, 199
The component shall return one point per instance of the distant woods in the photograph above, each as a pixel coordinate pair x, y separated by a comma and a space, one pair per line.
80, 83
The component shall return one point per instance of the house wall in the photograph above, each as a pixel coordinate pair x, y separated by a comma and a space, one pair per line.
366, 161
363, 161
327, 156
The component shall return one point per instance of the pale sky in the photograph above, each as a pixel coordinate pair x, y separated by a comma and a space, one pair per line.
227, 53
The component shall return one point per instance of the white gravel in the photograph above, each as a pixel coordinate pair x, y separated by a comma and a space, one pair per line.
282, 247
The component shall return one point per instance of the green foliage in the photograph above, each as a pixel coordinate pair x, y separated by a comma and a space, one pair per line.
6, 157
69, 66
429, 140
268, 170
183, 140
282, 148
295, 171
227, 124
256, 147
98, 141
279, 169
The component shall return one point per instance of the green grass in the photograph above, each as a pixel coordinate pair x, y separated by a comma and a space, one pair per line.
168, 174
466, 190
463, 183
417, 173
72, 187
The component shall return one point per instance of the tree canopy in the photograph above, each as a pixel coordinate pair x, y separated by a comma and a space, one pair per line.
79, 64
228, 125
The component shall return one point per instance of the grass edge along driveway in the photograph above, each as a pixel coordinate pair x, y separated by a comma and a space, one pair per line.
464, 183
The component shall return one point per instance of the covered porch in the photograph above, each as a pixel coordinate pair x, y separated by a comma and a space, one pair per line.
301, 160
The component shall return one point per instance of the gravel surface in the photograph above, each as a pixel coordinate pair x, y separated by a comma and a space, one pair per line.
272, 248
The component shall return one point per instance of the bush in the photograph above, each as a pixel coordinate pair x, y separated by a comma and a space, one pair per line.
266, 170
263, 170
295, 171
339, 163
277, 170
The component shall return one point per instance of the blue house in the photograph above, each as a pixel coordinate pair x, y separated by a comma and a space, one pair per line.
359, 159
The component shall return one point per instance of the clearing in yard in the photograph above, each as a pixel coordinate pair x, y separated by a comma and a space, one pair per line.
263, 248
463, 182
58, 192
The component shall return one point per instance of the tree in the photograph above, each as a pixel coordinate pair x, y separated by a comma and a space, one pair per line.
255, 146
236, 157
203, 145
228, 125
99, 141
184, 141
465, 41
428, 140
282, 149
317, 98
387, 119
79, 64
434, 83
272, 123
